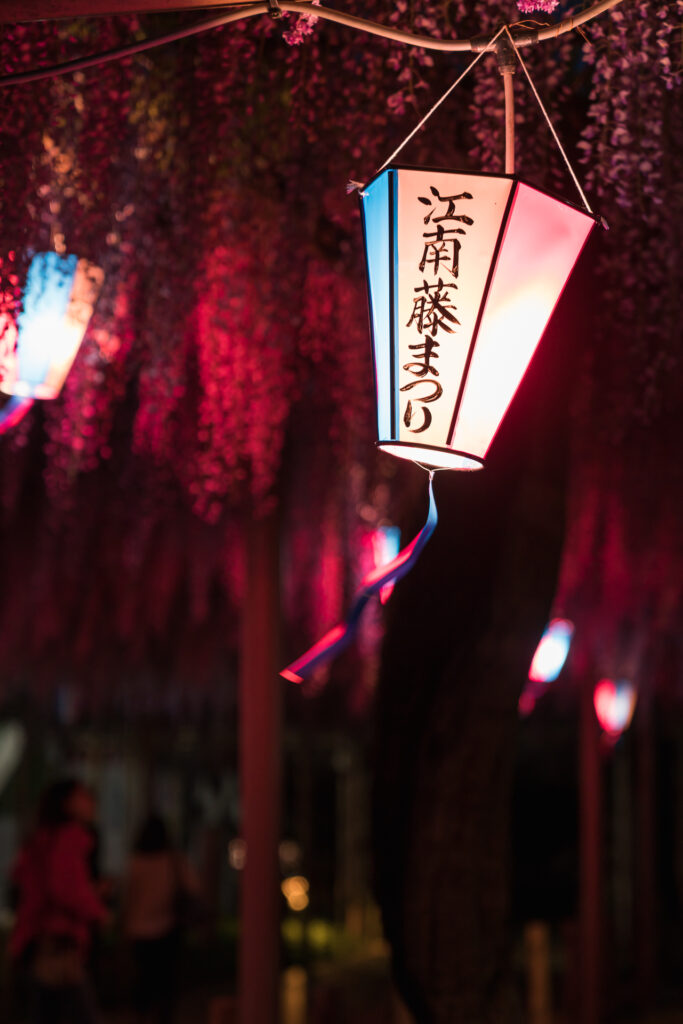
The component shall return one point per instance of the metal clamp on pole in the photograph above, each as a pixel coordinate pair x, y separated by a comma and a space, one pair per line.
522, 37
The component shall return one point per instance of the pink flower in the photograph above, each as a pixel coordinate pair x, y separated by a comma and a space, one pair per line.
529, 6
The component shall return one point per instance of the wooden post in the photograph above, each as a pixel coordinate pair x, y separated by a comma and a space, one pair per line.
260, 746
590, 840
621, 857
646, 952
539, 972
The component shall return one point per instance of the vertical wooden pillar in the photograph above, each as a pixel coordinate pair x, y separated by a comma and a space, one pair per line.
590, 840
621, 856
260, 746
539, 972
646, 952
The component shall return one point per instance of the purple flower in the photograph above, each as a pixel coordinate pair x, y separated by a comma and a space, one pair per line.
529, 6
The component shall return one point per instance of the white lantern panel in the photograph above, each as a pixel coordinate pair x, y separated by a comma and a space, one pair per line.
464, 272
448, 226
58, 302
542, 242
377, 226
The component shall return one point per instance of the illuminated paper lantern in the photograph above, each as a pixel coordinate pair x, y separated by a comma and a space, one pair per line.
552, 651
58, 301
464, 272
614, 705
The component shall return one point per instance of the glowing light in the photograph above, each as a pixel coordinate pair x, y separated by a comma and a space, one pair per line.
320, 935
237, 854
552, 651
386, 544
295, 891
58, 302
614, 705
464, 272
12, 746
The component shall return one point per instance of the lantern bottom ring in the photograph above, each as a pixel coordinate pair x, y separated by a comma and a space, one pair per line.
430, 455
27, 389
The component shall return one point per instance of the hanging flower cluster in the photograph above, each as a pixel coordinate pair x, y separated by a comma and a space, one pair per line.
227, 365
529, 6
626, 417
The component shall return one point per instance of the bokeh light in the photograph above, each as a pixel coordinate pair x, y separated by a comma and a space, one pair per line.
552, 651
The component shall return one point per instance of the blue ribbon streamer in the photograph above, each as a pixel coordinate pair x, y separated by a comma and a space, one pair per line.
338, 638
13, 411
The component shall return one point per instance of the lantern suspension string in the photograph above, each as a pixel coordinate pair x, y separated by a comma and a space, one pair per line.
550, 125
338, 638
339, 17
438, 103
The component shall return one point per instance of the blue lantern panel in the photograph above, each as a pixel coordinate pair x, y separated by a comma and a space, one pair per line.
377, 222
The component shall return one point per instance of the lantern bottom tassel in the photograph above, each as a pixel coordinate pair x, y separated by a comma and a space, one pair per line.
338, 638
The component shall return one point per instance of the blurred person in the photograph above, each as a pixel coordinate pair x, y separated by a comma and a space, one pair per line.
160, 889
58, 906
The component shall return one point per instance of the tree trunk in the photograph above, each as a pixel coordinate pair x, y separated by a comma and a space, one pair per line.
260, 746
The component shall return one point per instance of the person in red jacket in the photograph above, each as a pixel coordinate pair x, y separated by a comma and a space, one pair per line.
58, 907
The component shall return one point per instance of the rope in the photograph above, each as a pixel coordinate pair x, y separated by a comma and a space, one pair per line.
440, 101
130, 49
550, 125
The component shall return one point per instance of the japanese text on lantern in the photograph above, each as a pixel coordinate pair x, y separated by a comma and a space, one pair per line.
433, 313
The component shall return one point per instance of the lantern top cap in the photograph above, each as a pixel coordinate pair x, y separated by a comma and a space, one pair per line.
481, 174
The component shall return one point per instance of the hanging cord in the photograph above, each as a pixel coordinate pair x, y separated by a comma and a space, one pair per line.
550, 124
440, 101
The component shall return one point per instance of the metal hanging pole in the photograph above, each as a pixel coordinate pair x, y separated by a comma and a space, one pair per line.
39, 10
509, 122
507, 64
34, 10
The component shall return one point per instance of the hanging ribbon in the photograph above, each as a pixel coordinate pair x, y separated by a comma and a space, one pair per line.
334, 642
13, 411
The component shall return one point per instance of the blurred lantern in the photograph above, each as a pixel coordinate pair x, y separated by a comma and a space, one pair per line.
12, 746
58, 301
614, 705
464, 272
552, 651
237, 854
